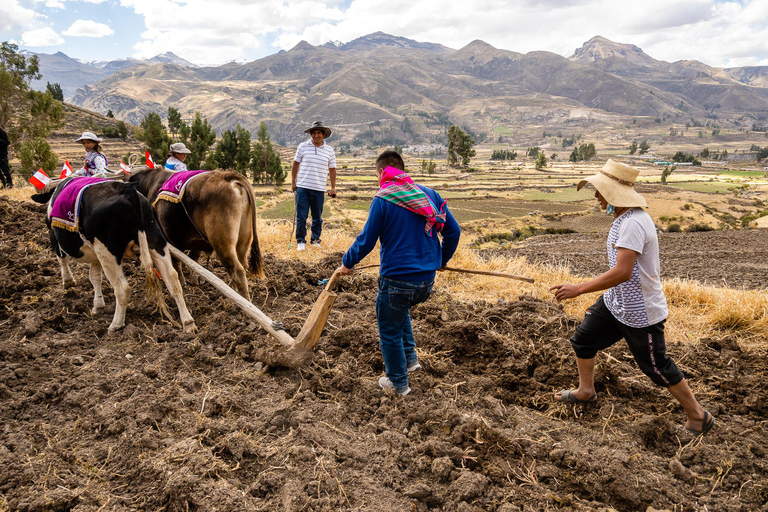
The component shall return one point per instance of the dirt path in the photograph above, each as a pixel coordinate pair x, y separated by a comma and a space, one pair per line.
150, 418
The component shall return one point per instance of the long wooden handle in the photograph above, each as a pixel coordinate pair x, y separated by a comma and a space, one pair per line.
252, 311
490, 273
470, 271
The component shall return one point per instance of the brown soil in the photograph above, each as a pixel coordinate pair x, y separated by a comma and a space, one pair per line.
734, 258
150, 418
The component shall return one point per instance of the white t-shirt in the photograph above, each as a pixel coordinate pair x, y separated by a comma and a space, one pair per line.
314, 164
640, 301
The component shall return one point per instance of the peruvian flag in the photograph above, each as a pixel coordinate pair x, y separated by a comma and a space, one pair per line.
40, 179
150, 162
125, 167
66, 171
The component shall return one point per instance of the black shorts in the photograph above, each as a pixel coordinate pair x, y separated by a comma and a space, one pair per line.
600, 329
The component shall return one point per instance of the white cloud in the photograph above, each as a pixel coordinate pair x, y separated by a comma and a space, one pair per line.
88, 28
716, 32
14, 15
41, 37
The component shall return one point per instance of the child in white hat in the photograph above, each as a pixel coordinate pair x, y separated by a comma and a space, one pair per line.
633, 306
175, 161
95, 163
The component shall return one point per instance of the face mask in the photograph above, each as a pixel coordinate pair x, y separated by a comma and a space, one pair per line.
610, 209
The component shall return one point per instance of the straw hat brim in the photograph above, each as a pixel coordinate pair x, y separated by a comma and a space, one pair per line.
614, 192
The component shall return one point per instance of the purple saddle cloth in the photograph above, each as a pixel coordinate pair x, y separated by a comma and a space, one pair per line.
173, 189
65, 211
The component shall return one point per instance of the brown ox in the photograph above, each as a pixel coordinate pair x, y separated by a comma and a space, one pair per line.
217, 214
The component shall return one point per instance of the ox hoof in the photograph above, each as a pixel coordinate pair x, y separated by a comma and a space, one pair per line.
115, 328
69, 284
190, 326
98, 309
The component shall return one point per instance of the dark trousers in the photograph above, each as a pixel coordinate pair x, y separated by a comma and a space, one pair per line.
309, 201
5, 173
600, 329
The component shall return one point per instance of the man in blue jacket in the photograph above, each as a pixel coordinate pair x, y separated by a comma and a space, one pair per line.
406, 217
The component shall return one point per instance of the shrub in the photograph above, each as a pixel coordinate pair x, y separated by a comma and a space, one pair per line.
674, 228
696, 226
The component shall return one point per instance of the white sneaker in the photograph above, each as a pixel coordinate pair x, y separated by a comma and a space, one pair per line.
301, 246
314, 244
385, 383
414, 366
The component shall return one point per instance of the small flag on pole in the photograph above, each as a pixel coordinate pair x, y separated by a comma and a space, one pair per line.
39, 179
125, 167
66, 170
150, 162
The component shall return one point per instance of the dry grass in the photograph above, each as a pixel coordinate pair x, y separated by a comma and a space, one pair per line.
696, 311
18, 193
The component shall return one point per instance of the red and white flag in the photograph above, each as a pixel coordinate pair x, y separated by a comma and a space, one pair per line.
150, 162
125, 167
39, 179
66, 171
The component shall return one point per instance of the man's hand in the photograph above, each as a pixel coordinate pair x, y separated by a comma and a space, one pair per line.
565, 291
332, 193
344, 270
293, 187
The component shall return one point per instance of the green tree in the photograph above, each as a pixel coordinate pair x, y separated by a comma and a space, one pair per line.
201, 137
644, 147
666, 172
154, 136
265, 162
226, 149
110, 114
36, 153
27, 116
541, 161
55, 90
428, 167
583, 152
243, 153
122, 129
174, 121
459, 147
633, 148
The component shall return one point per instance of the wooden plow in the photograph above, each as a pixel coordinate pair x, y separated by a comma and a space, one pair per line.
290, 352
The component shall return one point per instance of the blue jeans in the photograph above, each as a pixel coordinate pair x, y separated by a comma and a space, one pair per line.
393, 304
309, 200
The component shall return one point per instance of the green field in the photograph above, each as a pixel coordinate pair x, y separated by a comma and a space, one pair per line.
709, 187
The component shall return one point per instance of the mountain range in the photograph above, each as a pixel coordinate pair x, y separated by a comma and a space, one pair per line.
387, 89
71, 74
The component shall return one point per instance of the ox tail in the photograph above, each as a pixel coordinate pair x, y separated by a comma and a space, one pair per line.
154, 289
255, 261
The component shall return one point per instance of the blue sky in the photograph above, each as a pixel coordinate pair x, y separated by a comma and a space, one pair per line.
717, 32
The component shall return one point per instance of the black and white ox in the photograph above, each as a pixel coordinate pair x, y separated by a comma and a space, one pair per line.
115, 220
216, 214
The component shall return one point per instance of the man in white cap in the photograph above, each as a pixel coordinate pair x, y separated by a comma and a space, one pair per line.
314, 162
633, 306
175, 161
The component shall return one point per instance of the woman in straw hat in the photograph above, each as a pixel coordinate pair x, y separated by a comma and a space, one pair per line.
95, 163
175, 161
633, 306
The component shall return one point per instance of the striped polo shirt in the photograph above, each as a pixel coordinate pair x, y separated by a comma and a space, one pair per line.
314, 164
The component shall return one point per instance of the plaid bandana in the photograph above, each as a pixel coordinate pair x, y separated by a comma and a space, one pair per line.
398, 188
